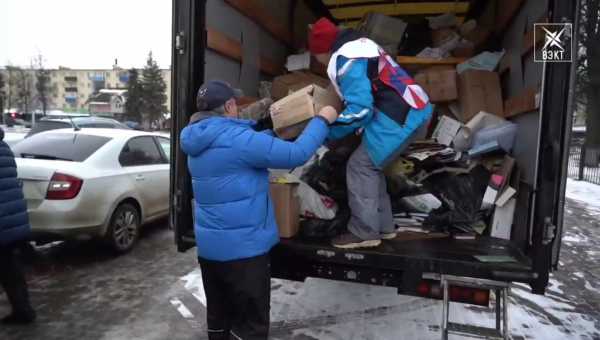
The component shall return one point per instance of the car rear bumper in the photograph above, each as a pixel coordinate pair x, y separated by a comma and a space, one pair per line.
67, 219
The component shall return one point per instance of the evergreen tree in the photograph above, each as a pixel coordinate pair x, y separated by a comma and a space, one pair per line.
154, 87
135, 91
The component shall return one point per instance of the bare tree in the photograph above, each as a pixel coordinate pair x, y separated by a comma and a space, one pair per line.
21, 86
589, 76
43, 85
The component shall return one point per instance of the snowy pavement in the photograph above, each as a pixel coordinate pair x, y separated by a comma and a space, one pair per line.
81, 291
584, 193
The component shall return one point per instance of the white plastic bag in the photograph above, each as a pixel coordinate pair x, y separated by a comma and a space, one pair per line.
312, 204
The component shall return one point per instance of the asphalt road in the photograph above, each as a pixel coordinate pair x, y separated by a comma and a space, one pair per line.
83, 291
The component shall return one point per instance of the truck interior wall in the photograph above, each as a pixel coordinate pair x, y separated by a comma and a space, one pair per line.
295, 11
523, 73
255, 42
303, 16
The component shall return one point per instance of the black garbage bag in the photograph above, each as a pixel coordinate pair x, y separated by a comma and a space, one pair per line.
461, 197
416, 38
318, 229
328, 175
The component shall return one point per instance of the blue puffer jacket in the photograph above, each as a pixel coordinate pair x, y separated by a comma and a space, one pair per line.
228, 162
388, 122
14, 222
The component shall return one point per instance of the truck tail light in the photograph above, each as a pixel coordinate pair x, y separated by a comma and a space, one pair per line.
63, 187
475, 296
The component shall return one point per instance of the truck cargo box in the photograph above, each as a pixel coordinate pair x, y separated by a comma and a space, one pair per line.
246, 43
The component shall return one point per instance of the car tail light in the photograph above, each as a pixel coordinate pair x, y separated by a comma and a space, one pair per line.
13, 115
63, 187
474, 296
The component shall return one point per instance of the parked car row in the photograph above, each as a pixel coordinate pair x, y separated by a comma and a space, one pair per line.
17, 133
92, 178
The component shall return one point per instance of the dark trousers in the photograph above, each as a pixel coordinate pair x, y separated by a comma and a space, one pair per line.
238, 298
12, 279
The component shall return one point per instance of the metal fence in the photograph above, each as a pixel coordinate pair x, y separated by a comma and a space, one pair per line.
577, 168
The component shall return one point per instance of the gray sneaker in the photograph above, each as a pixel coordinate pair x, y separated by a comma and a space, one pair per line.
388, 236
349, 241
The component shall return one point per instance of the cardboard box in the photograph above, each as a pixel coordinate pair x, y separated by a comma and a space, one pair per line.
323, 97
385, 30
295, 81
479, 91
286, 207
443, 36
440, 84
294, 111
464, 50
296, 108
527, 101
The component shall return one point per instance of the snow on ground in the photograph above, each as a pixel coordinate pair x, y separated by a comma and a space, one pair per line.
575, 238
584, 192
331, 310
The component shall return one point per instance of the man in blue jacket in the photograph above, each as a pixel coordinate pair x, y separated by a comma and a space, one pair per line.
234, 220
14, 228
386, 107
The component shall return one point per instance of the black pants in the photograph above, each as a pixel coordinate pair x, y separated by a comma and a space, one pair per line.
238, 298
12, 279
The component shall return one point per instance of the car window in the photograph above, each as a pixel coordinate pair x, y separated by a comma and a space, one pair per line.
165, 144
99, 125
140, 151
74, 147
45, 125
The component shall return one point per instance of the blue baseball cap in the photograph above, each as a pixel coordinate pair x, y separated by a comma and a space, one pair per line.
215, 93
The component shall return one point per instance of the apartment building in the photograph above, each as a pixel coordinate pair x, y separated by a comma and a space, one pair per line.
72, 89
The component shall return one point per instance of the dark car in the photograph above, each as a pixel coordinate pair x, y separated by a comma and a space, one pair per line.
46, 124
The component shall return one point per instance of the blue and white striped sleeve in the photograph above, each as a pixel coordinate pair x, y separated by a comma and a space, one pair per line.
355, 86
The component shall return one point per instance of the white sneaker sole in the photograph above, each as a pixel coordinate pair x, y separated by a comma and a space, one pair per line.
389, 236
363, 244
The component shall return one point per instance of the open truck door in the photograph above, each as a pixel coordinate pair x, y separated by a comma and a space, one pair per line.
188, 36
556, 110
543, 144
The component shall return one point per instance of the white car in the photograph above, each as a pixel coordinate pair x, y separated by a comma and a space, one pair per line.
13, 135
94, 183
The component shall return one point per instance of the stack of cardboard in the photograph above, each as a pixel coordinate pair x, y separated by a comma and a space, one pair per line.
439, 83
295, 81
479, 91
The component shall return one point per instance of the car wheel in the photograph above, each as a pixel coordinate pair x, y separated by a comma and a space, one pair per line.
124, 228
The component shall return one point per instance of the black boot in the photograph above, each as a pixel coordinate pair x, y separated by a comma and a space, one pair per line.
12, 278
19, 318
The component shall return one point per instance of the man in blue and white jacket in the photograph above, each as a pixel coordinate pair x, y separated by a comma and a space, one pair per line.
235, 224
383, 103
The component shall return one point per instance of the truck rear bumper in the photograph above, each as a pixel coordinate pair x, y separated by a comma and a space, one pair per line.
400, 264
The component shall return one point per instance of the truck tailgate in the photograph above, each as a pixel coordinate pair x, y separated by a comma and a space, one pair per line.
435, 255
